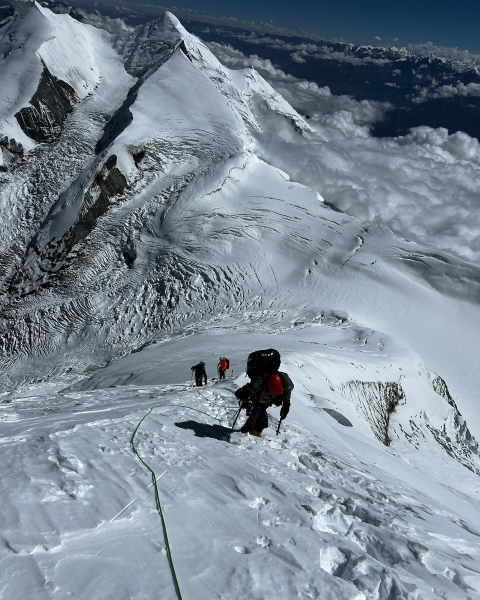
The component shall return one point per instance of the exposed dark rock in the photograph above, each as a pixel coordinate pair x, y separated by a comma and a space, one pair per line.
119, 122
108, 182
440, 386
377, 400
463, 447
183, 48
11, 145
60, 8
6, 11
110, 162
10, 151
138, 157
76, 15
50, 105
129, 252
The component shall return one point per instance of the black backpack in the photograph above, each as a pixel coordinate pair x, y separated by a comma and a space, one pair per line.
228, 363
263, 361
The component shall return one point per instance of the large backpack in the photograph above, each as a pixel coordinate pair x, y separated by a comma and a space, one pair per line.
263, 361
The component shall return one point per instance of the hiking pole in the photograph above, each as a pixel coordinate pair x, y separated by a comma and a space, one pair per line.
279, 425
234, 423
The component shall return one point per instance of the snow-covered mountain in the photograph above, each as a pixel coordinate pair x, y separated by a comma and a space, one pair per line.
146, 225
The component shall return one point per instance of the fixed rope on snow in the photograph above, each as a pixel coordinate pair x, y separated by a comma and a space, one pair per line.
154, 483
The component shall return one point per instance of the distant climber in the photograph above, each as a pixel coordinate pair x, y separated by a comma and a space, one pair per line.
200, 374
267, 386
222, 366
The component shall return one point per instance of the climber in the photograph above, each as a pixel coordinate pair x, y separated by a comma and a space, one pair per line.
222, 366
200, 373
267, 386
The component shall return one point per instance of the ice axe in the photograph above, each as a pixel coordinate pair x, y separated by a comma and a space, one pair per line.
279, 425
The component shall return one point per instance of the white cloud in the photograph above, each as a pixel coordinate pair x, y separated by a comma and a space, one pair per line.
377, 38
345, 57
296, 57
448, 91
424, 186
235, 59
315, 51
100, 21
305, 96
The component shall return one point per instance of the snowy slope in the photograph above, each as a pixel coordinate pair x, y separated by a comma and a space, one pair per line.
321, 511
156, 229
36, 40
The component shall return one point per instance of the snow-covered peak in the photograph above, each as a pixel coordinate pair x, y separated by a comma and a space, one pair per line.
38, 44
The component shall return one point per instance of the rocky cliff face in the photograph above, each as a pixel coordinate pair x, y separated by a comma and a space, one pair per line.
10, 151
49, 107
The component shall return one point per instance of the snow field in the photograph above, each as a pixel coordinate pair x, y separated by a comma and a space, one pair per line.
323, 510
288, 516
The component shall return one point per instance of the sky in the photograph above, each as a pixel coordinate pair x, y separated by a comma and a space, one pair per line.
440, 21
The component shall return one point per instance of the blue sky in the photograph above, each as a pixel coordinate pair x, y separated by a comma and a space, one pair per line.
442, 22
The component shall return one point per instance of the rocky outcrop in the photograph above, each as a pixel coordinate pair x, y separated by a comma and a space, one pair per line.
11, 145
10, 151
49, 107
457, 441
377, 400
6, 11
108, 183
441, 388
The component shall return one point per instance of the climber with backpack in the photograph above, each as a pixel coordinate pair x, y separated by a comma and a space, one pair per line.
200, 373
267, 386
222, 366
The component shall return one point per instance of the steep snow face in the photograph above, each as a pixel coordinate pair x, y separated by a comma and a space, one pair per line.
323, 510
37, 43
150, 45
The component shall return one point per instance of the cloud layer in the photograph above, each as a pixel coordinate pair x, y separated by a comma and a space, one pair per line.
306, 97
424, 186
459, 90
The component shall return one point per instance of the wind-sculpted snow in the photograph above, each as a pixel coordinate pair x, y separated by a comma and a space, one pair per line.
321, 511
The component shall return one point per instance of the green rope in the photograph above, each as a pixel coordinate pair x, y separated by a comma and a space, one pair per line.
154, 483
